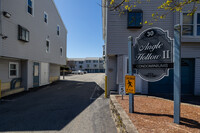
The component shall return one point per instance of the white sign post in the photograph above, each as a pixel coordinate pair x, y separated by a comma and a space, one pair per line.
122, 90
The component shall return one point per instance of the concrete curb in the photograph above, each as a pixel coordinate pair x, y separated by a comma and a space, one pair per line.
122, 121
11, 92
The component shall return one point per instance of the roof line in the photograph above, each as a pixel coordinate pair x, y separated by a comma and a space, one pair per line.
59, 15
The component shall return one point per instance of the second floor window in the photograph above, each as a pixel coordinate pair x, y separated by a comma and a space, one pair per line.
135, 19
61, 51
30, 7
23, 34
47, 46
191, 24
198, 24
88, 61
45, 17
58, 30
95, 61
80, 62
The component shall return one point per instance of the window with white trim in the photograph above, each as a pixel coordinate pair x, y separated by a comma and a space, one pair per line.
47, 46
45, 17
23, 34
191, 24
30, 7
13, 69
198, 24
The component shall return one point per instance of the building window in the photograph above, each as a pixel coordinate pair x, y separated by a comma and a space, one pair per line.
188, 22
95, 65
100, 61
13, 69
80, 66
61, 51
30, 7
88, 66
23, 34
191, 24
45, 17
198, 24
80, 62
135, 19
88, 61
58, 30
95, 61
47, 46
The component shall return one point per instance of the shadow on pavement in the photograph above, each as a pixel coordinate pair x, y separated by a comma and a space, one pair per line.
191, 99
183, 121
45, 108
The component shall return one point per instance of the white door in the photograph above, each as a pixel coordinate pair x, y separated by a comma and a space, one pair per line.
44, 74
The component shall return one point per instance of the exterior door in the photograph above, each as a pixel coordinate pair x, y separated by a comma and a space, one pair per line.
35, 74
165, 86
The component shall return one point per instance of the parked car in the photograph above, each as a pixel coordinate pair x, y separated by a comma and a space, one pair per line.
85, 72
78, 72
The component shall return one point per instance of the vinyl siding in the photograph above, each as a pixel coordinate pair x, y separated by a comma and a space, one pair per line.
54, 70
4, 69
190, 50
39, 31
120, 69
117, 32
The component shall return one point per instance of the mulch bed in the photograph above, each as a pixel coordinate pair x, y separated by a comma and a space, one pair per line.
155, 115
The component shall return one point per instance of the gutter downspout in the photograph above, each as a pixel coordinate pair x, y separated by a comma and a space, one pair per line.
107, 91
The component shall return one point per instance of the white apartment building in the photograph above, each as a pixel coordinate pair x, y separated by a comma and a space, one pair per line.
89, 64
32, 44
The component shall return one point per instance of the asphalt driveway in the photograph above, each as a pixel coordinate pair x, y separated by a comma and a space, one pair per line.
73, 105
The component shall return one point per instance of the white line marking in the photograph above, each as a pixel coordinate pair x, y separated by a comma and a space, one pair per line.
91, 98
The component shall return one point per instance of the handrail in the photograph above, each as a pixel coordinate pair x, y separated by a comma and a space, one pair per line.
13, 82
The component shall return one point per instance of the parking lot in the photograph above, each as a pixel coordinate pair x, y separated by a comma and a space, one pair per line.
74, 105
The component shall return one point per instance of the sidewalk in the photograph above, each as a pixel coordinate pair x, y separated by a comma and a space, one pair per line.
153, 114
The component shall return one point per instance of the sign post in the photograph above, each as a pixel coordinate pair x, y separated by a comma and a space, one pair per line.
122, 90
131, 96
177, 73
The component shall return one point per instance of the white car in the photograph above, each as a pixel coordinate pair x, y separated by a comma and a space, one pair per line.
78, 72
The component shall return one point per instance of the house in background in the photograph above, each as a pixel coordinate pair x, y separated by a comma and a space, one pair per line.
117, 29
32, 44
89, 64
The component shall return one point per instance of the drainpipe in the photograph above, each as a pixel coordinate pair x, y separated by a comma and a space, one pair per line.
107, 92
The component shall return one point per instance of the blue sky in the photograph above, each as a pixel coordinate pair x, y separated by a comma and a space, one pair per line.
83, 20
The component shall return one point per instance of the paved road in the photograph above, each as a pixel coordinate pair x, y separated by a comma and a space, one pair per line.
73, 105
